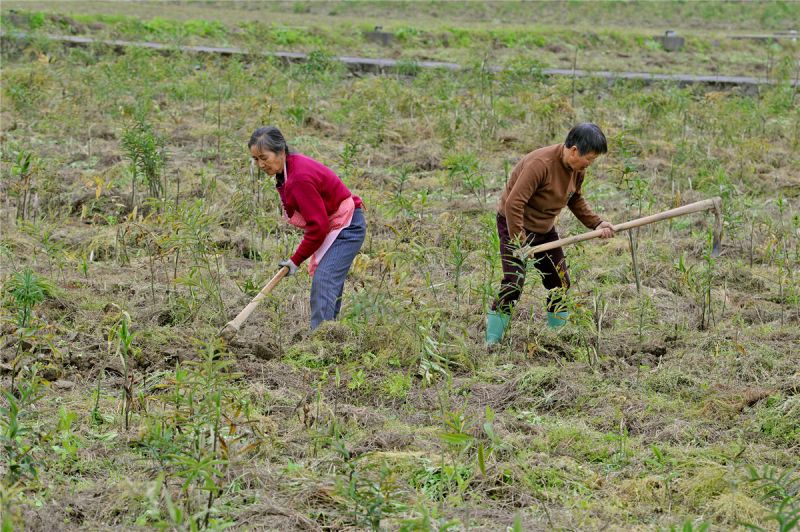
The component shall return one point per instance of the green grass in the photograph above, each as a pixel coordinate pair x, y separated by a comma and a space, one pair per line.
397, 413
700, 16
471, 37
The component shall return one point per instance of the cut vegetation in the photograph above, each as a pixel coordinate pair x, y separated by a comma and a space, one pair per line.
132, 229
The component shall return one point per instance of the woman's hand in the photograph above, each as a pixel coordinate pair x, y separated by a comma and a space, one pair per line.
289, 264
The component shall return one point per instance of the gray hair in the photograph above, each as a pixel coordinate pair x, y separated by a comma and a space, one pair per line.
268, 138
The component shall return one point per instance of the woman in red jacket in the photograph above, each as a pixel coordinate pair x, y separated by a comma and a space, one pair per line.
316, 200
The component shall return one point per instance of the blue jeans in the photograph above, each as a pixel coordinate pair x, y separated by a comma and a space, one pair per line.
328, 281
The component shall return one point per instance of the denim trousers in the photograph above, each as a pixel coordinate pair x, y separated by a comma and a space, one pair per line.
328, 281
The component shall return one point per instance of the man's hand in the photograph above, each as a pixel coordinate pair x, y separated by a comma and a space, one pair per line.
289, 264
607, 228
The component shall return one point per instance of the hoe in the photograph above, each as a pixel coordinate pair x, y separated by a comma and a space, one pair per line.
232, 327
705, 205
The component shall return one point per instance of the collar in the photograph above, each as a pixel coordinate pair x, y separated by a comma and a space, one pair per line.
280, 179
561, 158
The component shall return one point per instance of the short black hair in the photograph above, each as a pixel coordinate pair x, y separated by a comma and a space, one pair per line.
588, 138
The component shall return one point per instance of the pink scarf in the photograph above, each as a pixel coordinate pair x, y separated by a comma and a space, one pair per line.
339, 220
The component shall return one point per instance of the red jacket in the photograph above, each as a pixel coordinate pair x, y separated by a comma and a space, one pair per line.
315, 191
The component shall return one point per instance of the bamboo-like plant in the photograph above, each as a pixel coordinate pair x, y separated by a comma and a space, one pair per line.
23, 172
146, 152
27, 289
18, 447
121, 337
23, 292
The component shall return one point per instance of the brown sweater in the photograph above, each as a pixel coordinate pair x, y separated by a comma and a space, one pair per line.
539, 187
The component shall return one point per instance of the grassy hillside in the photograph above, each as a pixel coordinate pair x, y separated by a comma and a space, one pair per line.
699, 16
669, 402
593, 36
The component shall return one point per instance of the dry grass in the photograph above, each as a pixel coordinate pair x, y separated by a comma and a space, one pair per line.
648, 423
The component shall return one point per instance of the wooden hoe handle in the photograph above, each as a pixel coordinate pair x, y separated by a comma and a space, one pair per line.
705, 205
232, 327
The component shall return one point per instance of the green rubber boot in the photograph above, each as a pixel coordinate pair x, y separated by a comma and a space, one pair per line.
496, 325
556, 320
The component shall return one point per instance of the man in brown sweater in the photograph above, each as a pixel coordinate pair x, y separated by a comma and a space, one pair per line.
542, 183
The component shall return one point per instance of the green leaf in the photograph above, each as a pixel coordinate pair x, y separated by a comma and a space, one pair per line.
481, 459
517, 526
658, 454
488, 428
456, 438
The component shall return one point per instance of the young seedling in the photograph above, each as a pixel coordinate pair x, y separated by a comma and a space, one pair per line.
23, 172
25, 290
121, 336
147, 154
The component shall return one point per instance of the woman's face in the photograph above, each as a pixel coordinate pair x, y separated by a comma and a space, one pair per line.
270, 162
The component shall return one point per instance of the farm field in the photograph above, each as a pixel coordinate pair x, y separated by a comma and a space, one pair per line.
133, 227
510, 34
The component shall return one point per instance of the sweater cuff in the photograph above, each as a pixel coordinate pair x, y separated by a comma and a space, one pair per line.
297, 258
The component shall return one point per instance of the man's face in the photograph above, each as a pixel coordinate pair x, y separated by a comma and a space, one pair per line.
578, 162
270, 162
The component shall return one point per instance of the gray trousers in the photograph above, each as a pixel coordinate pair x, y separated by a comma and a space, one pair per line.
328, 281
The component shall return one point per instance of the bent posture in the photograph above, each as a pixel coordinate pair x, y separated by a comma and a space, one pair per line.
541, 184
315, 200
